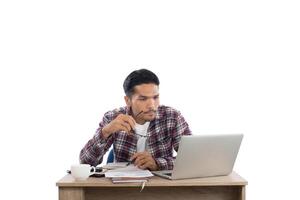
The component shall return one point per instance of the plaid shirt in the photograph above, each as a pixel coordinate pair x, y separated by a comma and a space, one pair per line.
164, 132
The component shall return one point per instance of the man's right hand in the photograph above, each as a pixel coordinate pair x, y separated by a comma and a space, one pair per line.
120, 123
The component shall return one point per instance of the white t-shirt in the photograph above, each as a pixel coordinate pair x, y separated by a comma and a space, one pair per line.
141, 130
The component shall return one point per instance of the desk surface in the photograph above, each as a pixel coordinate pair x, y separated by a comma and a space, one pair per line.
232, 179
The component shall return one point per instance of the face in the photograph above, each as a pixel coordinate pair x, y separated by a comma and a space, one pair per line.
144, 102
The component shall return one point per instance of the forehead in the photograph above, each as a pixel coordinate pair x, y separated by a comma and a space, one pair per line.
146, 89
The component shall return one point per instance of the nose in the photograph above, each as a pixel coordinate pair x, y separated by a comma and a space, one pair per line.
150, 104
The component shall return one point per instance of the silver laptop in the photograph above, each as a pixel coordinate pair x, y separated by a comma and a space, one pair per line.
204, 156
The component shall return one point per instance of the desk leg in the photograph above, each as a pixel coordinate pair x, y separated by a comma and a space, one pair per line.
243, 193
69, 193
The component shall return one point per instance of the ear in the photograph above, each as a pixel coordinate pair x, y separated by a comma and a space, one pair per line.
127, 101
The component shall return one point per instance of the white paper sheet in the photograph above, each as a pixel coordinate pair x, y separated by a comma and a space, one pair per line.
129, 171
115, 165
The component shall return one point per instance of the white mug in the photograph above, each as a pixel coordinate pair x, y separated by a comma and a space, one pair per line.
82, 171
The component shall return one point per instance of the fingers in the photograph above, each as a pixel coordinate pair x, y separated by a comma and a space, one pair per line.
139, 154
142, 160
130, 121
142, 163
147, 165
134, 156
127, 121
125, 127
122, 123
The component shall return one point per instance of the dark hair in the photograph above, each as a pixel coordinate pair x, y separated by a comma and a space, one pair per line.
138, 77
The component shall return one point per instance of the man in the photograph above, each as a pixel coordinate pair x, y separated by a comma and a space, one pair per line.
142, 132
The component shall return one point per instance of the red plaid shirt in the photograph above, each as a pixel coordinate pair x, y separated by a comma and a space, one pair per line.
165, 132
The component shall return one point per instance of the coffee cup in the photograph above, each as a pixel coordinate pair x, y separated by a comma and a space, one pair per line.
82, 171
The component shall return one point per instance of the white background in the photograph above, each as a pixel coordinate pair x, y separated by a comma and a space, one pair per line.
228, 66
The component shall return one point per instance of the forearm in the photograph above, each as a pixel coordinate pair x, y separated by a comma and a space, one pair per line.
181, 128
165, 163
92, 153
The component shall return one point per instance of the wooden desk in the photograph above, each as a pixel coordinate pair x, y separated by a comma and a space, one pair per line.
223, 187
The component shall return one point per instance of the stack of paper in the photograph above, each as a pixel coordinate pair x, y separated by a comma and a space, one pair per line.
115, 165
128, 180
128, 174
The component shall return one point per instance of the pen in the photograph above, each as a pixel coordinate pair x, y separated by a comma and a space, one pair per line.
139, 114
130, 162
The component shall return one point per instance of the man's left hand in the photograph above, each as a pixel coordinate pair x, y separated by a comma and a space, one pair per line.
144, 160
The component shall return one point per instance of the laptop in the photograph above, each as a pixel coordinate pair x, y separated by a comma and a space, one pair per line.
204, 156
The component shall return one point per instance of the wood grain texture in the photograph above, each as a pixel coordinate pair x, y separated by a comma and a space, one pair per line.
231, 179
71, 193
166, 193
231, 187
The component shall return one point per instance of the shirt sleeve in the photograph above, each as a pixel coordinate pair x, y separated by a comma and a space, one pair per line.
181, 128
93, 152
